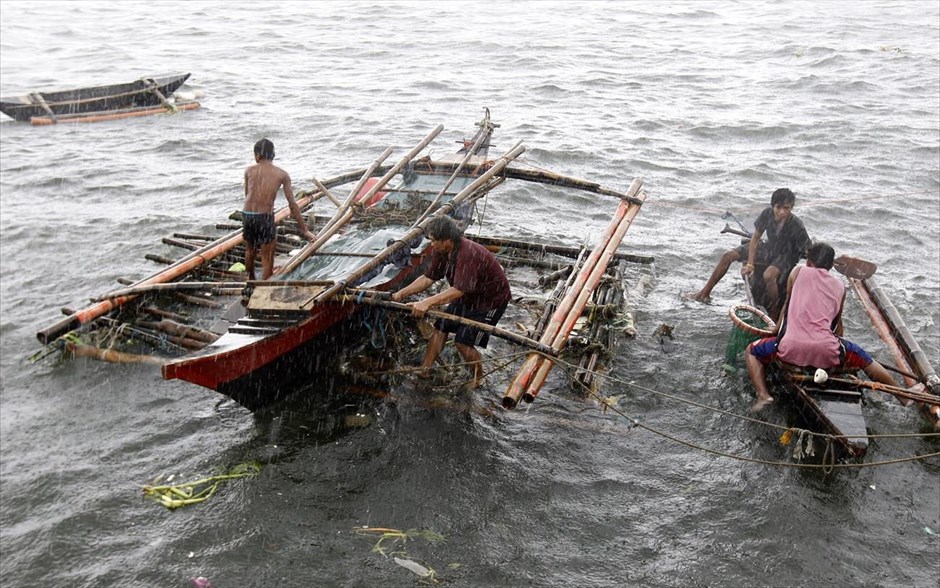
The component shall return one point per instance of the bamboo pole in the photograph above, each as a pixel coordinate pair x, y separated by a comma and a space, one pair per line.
559, 342
155, 88
177, 269
152, 310
110, 355
557, 293
485, 132
494, 331
521, 382
166, 287
556, 249
329, 194
128, 113
37, 97
888, 334
345, 212
175, 328
898, 391
197, 300
552, 178
882, 329
418, 229
912, 351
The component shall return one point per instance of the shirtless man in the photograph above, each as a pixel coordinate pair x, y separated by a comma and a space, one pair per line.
262, 181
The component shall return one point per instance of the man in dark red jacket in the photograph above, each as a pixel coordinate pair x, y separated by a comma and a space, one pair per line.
478, 291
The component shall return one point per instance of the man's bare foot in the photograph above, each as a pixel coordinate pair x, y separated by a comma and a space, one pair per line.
697, 297
918, 388
761, 403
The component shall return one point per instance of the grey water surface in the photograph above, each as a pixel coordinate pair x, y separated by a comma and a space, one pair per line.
714, 104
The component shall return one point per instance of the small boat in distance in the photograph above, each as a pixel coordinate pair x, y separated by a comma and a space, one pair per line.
147, 95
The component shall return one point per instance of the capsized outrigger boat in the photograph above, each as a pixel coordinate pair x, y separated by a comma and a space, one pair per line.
251, 341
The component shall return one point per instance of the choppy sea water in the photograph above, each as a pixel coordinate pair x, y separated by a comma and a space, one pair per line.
714, 104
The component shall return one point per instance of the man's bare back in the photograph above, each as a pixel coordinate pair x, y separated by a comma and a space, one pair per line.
262, 182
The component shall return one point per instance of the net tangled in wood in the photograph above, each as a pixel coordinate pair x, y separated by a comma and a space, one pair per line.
402, 213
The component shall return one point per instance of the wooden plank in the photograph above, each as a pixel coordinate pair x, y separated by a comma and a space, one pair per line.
282, 297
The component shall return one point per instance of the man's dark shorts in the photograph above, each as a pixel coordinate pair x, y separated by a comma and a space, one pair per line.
258, 228
780, 262
851, 355
469, 335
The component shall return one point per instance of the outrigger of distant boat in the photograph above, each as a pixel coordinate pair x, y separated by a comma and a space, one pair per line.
145, 96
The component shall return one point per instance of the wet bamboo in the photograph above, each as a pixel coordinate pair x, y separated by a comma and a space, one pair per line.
329, 194
104, 116
558, 293
37, 97
354, 196
152, 310
559, 342
494, 331
484, 134
555, 179
175, 328
169, 286
521, 382
556, 275
110, 355
155, 88
895, 390
177, 269
418, 229
345, 212
881, 327
912, 351
556, 249
197, 300
191, 236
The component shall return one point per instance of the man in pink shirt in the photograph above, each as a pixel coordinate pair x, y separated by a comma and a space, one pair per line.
810, 327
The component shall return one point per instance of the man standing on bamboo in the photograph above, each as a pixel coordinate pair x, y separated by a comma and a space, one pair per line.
478, 291
262, 182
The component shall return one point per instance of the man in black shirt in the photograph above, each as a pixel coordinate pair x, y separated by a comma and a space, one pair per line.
770, 260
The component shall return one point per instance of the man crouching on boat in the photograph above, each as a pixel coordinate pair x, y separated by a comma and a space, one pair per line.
810, 328
262, 181
478, 291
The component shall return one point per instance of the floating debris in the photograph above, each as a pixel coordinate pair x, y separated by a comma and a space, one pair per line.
414, 567
175, 496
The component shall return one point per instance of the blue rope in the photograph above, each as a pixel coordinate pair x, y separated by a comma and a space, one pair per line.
377, 335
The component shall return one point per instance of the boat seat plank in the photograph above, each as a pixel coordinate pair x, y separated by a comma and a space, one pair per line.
848, 418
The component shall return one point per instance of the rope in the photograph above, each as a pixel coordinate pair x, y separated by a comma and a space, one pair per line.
826, 467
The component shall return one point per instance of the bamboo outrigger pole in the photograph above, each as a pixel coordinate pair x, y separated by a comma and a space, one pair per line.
418, 229
520, 385
562, 337
168, 274
494, 331
521, 382
889, 325
350, 198
345, 212
484, 134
